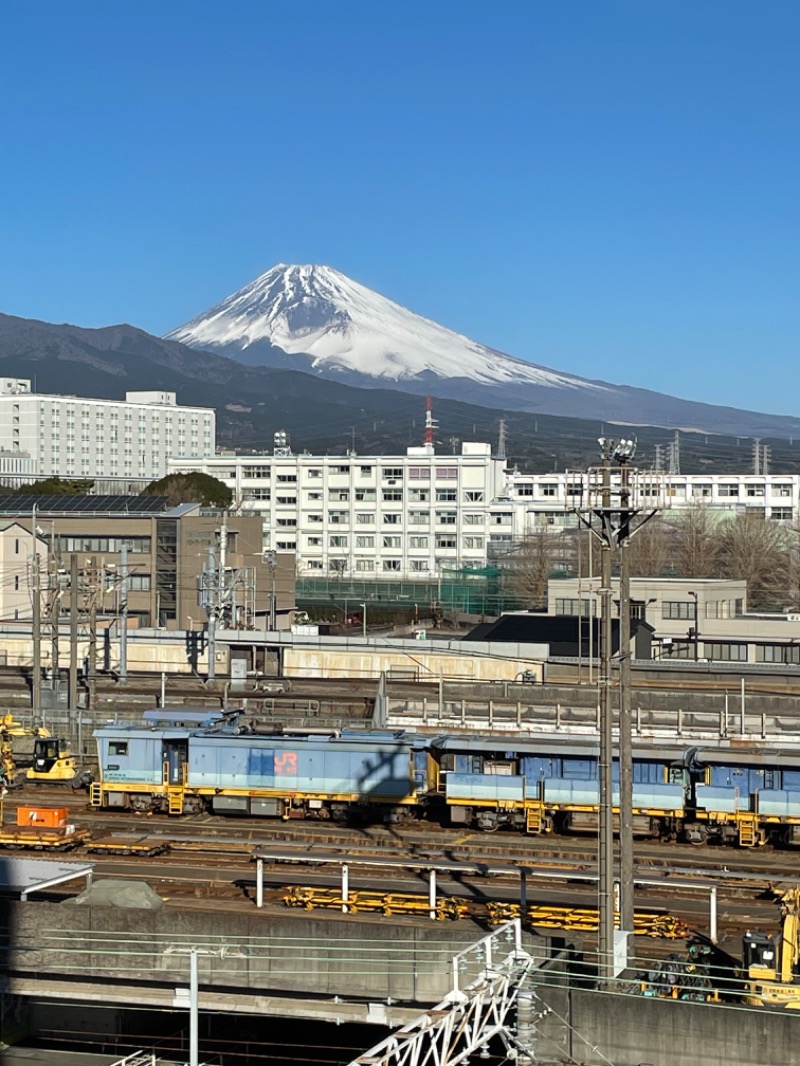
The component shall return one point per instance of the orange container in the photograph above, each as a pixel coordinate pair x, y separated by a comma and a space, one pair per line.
42, 817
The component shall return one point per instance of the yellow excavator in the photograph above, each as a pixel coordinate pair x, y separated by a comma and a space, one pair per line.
53, 761
772, 965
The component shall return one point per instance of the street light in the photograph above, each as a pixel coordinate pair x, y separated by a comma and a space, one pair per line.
363, 620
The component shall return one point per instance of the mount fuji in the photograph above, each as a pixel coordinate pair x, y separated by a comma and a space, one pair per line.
317, 320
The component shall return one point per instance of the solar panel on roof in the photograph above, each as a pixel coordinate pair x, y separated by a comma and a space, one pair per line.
23, 503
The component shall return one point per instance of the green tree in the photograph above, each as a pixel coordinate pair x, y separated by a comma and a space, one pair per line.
195, 487
57, 486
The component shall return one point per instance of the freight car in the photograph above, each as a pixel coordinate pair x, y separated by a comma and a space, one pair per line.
184, 762
545, 784
743, 796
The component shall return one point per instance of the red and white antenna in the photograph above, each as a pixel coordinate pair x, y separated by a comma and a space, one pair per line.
431, 425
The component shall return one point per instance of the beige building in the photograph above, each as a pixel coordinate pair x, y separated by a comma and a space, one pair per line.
17, 548
168, 550
694, 618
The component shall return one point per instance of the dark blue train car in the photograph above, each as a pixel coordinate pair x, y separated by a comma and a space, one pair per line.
747, 796
543, 784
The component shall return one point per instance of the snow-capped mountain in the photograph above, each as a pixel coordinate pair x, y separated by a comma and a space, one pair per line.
317, 320
318, 312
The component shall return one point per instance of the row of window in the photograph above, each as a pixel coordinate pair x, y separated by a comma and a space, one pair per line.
111, 545
365, 566
730, 651
414, 543
683, 609
441, 473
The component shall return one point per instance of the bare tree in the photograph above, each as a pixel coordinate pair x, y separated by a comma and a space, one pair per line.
758, 551
649, 550
529, 566
695, 541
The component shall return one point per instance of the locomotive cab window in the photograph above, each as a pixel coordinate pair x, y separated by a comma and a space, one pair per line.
118, 747
447, 763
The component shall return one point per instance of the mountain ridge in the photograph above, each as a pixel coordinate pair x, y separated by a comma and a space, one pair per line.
317, 320
325, 416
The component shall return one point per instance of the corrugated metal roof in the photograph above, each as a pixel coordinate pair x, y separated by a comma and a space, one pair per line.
20, 876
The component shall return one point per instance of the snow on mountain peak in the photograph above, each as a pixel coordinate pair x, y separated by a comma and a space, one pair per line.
342, 325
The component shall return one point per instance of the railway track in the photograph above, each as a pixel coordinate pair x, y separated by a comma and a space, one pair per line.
211, 836
421, 841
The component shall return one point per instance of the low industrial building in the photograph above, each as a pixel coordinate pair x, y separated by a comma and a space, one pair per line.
168, 549
704, 619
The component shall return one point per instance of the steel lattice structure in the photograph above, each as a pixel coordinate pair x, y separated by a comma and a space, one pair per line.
466, 1019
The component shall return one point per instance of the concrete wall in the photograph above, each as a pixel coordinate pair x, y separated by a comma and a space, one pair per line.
632, 1031
427, 660
290, 952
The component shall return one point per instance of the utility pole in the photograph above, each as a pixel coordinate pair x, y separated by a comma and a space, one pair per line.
223, 559
272, 562
36, 678
91, 672
626, 907
123, 614
53, 607
606, 836
74, 610
612, 523
212, 619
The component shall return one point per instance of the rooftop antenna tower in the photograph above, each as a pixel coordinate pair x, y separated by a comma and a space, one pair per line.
431, 424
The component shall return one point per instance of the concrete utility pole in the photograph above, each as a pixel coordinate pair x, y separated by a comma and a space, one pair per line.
74, 610
611, 522
91, 671
54, 589
36, 676
626, 908
606, 835
212, 620
123, 614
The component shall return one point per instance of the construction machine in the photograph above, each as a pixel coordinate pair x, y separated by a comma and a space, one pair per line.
772, 964
53, 761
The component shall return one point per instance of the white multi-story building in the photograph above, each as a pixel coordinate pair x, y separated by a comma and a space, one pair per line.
368, 516
415, 515
107, 440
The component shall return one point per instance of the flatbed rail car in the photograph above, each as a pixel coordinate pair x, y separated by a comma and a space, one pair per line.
31, 838
146, 847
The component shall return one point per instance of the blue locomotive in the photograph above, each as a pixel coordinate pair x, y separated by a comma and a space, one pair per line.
180, 762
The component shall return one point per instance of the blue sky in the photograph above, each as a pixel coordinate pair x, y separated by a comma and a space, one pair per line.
609, 188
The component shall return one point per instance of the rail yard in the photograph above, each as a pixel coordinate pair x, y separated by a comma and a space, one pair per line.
439, 806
